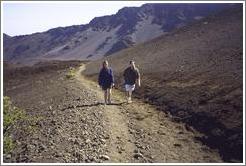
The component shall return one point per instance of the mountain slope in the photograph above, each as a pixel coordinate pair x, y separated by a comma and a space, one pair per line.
196, 74
106, 35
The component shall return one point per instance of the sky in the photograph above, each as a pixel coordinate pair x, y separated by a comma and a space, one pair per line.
30, 17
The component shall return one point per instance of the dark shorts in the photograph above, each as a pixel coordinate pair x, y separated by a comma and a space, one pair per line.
105, 87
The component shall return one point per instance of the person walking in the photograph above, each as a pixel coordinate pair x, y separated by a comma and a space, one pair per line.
131, 77
106, 81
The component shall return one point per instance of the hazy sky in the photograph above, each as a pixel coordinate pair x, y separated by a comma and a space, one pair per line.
29, 17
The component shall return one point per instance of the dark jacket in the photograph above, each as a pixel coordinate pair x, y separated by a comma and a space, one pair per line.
131, 76
106, 77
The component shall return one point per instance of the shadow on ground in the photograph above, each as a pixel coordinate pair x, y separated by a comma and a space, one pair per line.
91, 105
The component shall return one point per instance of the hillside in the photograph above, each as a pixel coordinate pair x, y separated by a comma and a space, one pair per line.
66, 122
107, 34
196, 74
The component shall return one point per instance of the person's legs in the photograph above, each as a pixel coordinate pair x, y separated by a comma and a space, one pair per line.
130, 96
127, 95
109, 95
127, 92
130, 90
105, 96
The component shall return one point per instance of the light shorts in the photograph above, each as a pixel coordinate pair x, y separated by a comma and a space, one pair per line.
130, 87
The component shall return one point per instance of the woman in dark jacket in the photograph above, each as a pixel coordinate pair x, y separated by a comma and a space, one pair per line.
106, 81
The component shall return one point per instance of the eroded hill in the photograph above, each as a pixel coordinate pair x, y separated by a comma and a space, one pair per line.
105, 35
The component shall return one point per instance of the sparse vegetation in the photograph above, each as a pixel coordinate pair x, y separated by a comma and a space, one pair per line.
11, 114
71, 73
12, 118
8, 144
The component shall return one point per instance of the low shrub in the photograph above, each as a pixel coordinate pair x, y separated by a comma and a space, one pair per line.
15, 120
71, 73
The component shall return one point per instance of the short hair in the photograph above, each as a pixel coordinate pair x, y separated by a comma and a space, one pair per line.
131, 61
105, 62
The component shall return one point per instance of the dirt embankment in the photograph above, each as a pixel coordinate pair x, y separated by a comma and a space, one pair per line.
214, 109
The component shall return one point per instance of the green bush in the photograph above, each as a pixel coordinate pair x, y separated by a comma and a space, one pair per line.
71, 73
15, 119
8, 144
11, 114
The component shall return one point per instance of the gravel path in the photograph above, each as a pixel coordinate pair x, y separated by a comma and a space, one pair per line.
77, 127
140, 133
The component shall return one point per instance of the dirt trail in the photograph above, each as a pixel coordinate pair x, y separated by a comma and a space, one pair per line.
140, 133
120, 147
75, 126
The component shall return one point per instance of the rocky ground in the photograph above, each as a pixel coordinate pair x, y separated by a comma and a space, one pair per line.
75, 126
196, 74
